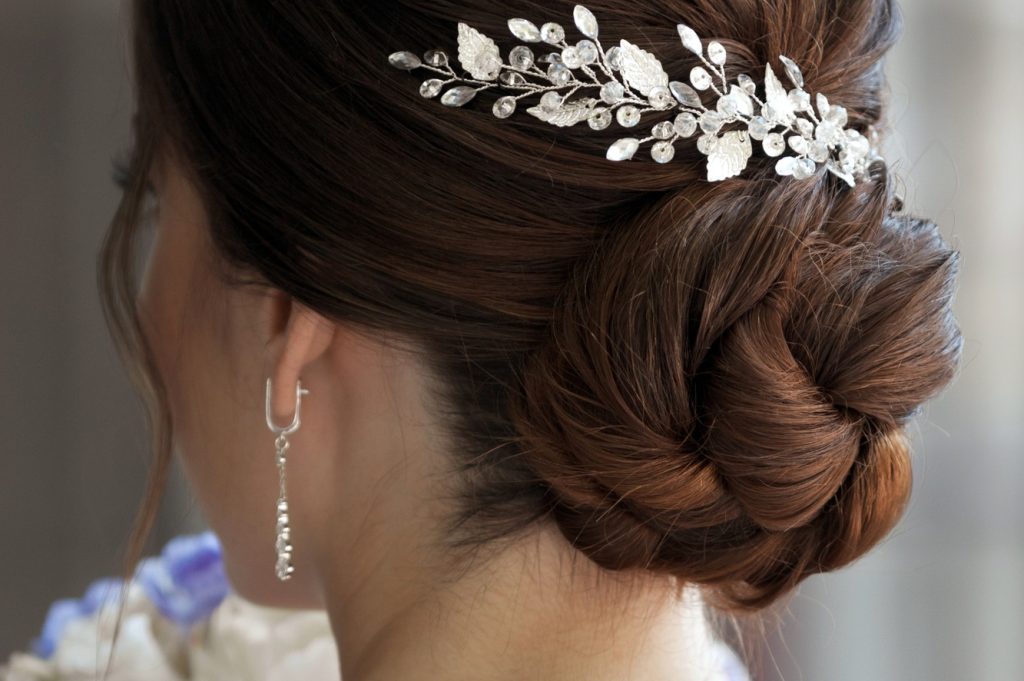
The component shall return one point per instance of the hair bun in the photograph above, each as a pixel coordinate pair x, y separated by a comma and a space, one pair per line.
724, 390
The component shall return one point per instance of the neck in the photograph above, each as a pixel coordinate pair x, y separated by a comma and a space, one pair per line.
537, 610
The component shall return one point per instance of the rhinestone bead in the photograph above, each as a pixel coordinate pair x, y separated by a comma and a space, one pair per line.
823, 105
612, 91
685, 124
436, 58
785, 165
588, 51
685, 94
623, 149
512, 78
801, 100
552, 33
837, 115
716, 52
805, 127
521, 57
803, 168
774, 144
798, 144
504, 107
600, 118
711, 122
550, 100
818, 152
758, 128
431, 88
585, 21
857, 143
663, 130
747, 83
827, 133
793, 71
405, 60
571, 57
772, 114
663, 151
728, 106
706, 144
457, 96
559, 74
628, 116
613, 56
700, 78
689, 38
660, 97
524, 30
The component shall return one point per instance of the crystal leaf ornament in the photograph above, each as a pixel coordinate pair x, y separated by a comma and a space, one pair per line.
579, 82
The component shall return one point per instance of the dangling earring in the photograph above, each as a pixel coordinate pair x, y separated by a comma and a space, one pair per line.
284, 547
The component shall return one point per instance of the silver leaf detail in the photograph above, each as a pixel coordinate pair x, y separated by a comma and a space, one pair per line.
730, 155
839, 172
777, 98
641, 69
478, 54
585, 20
565, 115
690, 39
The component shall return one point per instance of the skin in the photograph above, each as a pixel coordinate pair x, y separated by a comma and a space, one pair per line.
364, 485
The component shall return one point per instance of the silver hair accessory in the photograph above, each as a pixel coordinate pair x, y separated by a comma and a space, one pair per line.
284, 546
629, 82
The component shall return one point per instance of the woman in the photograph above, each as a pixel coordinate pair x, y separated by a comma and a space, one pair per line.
530, 409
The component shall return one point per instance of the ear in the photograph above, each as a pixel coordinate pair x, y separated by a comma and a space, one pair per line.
305, 338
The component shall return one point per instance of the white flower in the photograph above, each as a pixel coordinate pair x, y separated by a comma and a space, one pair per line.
82, 653
26, 667
85, 644
249, 642
180, 622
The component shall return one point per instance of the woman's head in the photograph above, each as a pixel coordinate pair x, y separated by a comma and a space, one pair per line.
709, 381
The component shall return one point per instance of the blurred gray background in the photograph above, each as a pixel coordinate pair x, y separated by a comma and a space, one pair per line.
941, 600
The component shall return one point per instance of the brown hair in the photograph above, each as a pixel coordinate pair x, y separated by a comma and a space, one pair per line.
709, 380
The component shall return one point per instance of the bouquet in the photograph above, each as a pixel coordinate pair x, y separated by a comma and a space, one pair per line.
181, 622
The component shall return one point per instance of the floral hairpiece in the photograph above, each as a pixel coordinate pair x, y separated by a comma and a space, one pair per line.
635, 83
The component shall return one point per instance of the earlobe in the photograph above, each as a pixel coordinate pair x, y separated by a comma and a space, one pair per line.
305, 338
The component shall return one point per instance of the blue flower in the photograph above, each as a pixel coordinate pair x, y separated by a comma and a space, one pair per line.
101, 591
67, 610
187, 582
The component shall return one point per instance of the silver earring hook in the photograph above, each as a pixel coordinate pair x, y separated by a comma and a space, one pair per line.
294, 425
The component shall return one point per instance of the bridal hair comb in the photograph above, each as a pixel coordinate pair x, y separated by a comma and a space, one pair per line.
629, 82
